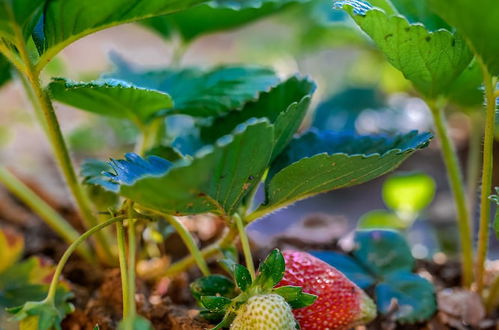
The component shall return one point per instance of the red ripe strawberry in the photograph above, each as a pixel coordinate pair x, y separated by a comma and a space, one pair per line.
340, 303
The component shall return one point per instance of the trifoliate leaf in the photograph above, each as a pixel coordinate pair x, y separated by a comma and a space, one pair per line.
112, 98
285, 106
348, 266
202, 93
212, 285
414, 297
215, 180
408, 193
383, 252
318, 162
382, 219
477, 21
216, 15
11, 248
430, 60
65, 21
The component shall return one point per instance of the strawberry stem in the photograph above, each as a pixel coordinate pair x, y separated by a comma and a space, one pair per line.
245, 245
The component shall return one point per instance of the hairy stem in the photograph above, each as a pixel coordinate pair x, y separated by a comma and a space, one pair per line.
248, 257
44, 210
60, 266
207, 252
189, 242
54, 134
132, 254
483, 232
120, 238
456, 184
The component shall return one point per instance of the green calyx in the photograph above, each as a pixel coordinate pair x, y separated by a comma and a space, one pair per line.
221, 298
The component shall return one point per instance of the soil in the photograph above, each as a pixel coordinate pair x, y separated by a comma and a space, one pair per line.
169, 305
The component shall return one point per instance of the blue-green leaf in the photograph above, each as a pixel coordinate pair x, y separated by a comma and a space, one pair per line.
318, 162
202, 93
112, 98
383, 251
348, 266
414, 297
215, 180
430, 60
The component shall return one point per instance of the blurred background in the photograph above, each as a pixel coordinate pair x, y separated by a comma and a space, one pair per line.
357, 91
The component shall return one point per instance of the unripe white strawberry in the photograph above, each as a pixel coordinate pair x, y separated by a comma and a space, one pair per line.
264, 312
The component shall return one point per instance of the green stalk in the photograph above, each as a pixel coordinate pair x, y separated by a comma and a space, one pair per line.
474, 159
53, 130
45, 211
60, 266
132, 251
457, 187
483, 233
120, 238
189, 242
245, 245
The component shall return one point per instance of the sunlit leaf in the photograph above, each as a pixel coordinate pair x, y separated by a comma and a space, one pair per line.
318, 162
113, 98
65, 21
215, 180
430, 60
414, 297
216, 15
202, 93
378, 219
477, 21
409, 193
383, 251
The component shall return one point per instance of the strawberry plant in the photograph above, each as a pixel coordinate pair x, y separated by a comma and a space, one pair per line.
234, 141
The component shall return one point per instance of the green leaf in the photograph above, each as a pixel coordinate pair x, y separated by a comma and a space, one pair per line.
419, 12
318, 162
285, 106
477, 21
414, 297
11, 248
466, 91
212, 285
242, 277
271, 270
202, 93
295, 296
215, 180
430, 60
112, 98
5, 68
380, 219
230, 259
348, 266
495, 198
216, 15
408, 193
383, 252
23, 13
65, 21
215, 303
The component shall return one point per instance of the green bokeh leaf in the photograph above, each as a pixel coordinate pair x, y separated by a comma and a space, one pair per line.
216, 15
408, 193
318, 162
477, 21
430, 60
383, 251
112, 98
285, 106
215, 180
414, 296
66, 21
202, 93
4, 70
379, 219
11, 248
